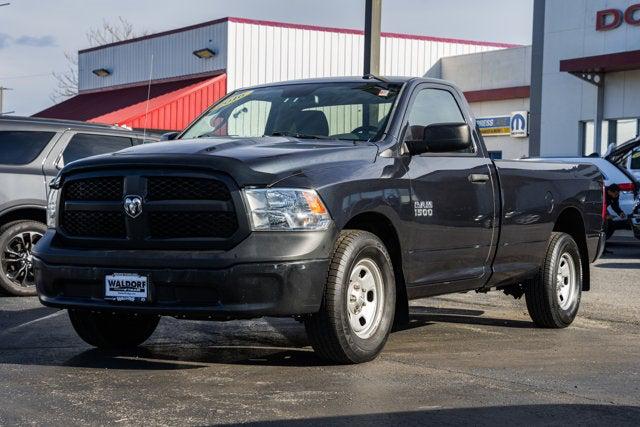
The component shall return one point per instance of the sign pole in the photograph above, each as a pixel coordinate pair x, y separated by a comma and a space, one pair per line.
372, 23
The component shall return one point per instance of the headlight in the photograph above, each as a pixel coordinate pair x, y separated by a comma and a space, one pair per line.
286, 209
52, 208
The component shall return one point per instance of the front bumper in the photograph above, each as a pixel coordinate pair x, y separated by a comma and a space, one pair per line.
268, 274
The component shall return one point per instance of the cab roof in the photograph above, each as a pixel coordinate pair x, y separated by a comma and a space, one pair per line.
352, 79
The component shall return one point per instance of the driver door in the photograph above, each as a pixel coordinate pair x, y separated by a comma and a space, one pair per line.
454, 198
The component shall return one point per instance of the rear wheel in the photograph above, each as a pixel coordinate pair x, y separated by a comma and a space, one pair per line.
113, 331
553, 297
359, 301
17, 240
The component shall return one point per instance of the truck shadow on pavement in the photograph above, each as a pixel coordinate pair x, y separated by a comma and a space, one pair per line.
616, 265
269, 342
289, 348
420, 314
530, 415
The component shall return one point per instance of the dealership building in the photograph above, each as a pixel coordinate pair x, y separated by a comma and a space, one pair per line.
579, 82
575, 91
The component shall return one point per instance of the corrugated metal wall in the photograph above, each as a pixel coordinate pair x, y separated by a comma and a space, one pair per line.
255, 52
260, 53
172, 57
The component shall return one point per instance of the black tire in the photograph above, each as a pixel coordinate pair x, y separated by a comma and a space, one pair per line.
547, 306
16, 273
112, 331
329, 331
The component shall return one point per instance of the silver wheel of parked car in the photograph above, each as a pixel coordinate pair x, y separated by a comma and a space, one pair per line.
17, 240
16, 258
566, 282
365, 298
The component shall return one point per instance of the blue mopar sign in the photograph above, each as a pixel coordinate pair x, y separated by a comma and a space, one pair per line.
519, 124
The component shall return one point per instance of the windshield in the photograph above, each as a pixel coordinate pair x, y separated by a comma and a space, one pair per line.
351, 111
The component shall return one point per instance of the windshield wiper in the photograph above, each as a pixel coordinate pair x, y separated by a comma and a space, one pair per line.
297, 135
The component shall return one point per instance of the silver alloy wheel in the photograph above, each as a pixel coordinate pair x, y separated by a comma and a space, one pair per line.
365, 298
567, 282
17, 261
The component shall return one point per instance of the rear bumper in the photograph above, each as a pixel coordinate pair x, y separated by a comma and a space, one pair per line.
268, 274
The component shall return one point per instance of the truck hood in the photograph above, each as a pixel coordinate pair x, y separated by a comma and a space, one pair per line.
250, 161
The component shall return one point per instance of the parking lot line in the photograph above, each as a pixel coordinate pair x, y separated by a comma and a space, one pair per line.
31, 322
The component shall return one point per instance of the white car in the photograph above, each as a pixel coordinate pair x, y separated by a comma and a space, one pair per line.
628, 154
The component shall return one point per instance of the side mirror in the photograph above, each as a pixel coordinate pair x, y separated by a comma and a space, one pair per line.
169, 136
442, 138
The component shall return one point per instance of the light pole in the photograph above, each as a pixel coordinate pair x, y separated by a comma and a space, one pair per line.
2, 89
373, 15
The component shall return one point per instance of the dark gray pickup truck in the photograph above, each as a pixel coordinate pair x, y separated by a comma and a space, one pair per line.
334, 201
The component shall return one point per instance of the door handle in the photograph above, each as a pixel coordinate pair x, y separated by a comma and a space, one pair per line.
478, 178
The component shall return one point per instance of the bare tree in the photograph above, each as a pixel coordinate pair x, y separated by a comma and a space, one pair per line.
108, 32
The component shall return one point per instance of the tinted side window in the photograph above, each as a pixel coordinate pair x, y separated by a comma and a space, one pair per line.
85, 145
431, 106
22, 147
635, 160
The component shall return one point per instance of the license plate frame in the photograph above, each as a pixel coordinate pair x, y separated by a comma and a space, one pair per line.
126, 287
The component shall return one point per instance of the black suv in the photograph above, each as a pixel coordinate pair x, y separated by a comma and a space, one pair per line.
32, 151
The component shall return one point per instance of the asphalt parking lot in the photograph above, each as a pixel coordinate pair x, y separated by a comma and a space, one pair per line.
464, 359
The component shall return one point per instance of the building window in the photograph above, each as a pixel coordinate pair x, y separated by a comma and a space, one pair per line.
613, 132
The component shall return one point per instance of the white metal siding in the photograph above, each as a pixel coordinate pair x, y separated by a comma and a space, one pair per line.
256, 53
263, 54
172, 57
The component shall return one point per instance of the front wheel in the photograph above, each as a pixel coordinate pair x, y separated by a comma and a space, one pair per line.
112, 331
553, 296
359, 301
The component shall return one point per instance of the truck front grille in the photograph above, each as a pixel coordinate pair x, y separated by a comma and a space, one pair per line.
181, 188
94, 224
176, 208
174, 225
108, 188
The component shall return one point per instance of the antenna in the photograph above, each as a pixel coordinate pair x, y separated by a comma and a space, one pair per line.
146, 112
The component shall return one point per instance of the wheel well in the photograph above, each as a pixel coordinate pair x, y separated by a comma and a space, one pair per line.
34, 214
382, 227
570, 221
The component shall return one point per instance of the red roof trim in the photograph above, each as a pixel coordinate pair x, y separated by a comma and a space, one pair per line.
621, 61
301, 27
154, 82
501, 94
169, 111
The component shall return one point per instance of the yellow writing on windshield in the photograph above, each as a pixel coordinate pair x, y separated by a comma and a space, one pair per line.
232, 99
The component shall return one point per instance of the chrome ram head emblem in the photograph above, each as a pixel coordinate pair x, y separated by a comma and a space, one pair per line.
133, 205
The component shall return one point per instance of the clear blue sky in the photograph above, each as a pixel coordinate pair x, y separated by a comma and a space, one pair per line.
34, 33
